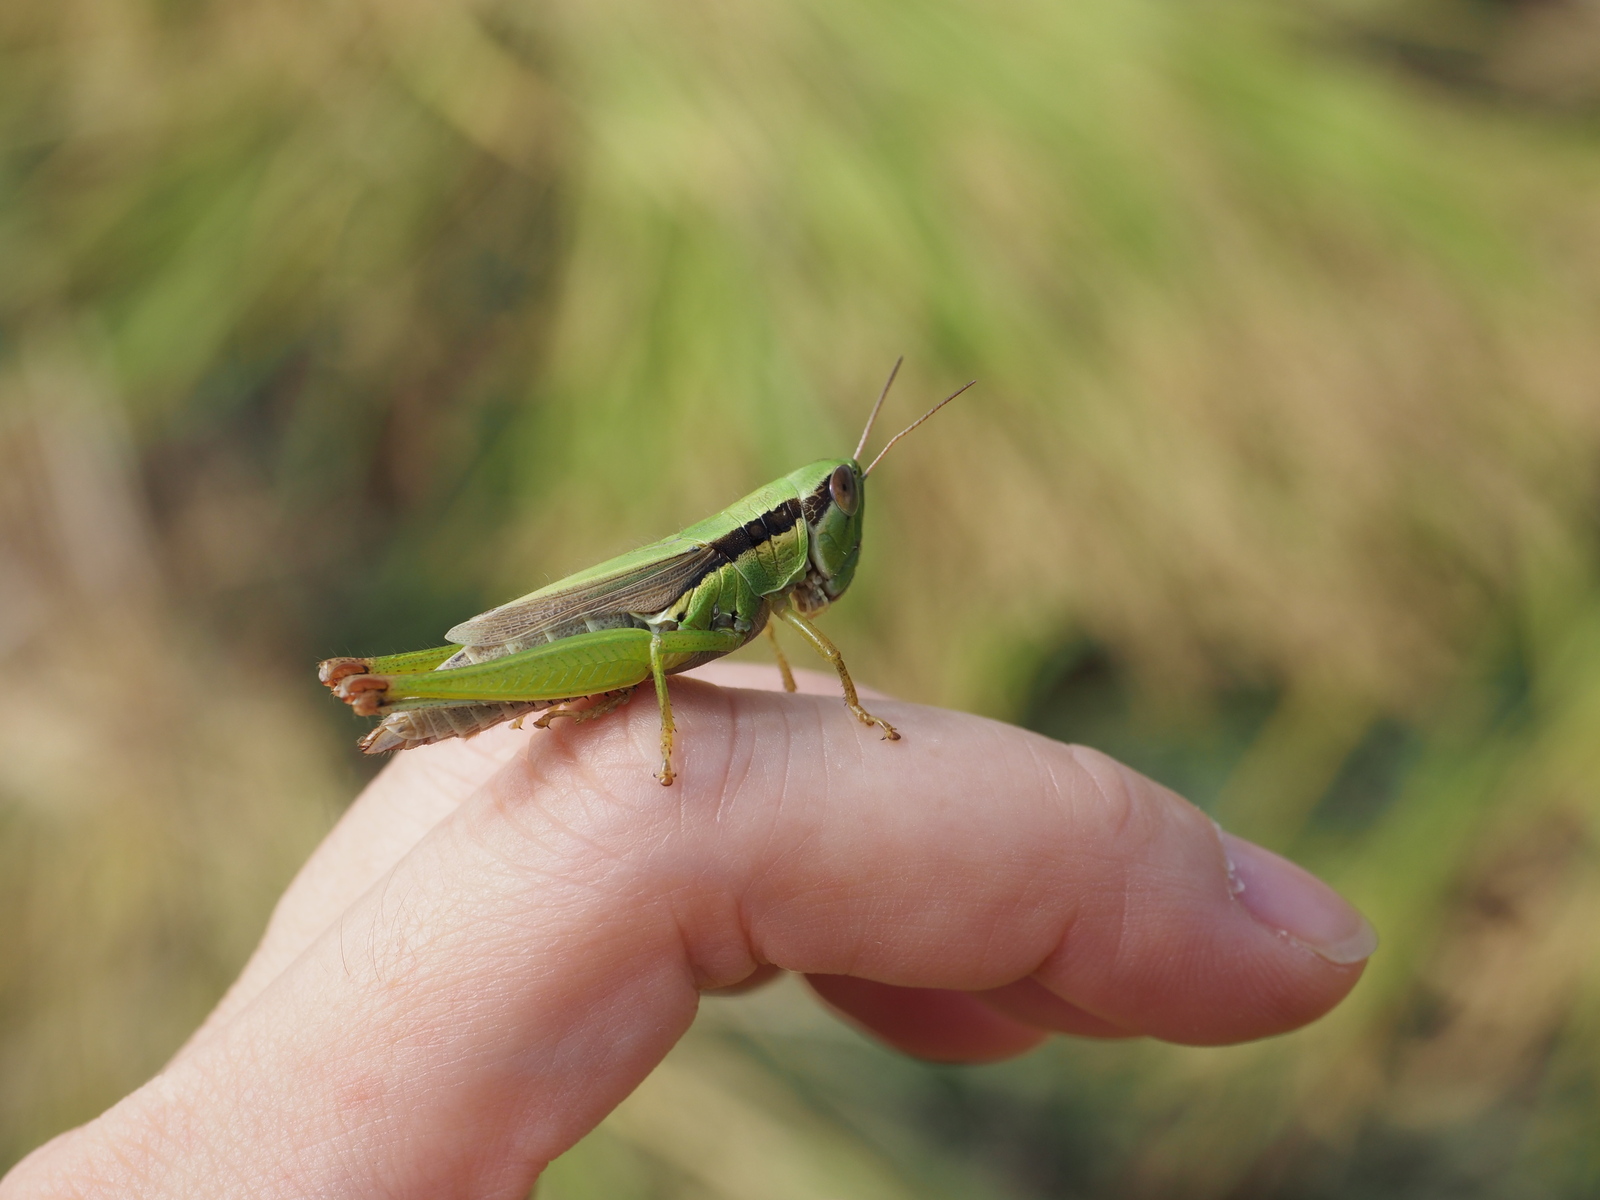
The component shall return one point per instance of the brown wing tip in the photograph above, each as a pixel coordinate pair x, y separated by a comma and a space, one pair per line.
382, 740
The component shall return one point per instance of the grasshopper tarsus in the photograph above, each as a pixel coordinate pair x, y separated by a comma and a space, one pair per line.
890, 733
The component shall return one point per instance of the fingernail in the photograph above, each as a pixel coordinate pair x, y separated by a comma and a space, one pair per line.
1291, 901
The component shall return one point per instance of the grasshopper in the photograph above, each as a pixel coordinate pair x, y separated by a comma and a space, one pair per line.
784, 552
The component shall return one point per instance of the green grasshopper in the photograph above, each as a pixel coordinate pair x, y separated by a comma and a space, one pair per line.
786, 551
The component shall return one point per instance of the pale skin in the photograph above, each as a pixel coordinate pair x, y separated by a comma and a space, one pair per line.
503, 936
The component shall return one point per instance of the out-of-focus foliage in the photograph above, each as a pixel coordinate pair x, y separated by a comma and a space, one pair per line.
322, 326
1543, 55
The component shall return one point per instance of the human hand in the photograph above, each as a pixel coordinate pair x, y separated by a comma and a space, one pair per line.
502, 937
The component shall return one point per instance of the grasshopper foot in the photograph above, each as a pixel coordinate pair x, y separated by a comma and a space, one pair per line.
890, 733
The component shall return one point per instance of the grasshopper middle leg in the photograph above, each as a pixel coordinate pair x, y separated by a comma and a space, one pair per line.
673, 642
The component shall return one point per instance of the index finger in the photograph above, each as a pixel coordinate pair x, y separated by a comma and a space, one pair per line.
535, 955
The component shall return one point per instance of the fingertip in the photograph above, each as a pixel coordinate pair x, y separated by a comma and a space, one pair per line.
1196, 936
1288, 899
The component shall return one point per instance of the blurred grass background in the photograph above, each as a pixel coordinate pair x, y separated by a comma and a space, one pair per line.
325, 325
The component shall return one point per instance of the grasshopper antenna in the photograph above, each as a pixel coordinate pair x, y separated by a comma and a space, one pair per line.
882, 396
914, 424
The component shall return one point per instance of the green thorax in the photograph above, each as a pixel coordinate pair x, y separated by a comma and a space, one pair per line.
799, 536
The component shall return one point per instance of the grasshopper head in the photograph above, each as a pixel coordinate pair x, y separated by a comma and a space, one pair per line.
834, 503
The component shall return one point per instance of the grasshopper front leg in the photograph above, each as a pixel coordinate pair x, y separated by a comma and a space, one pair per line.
783, 662
830, 652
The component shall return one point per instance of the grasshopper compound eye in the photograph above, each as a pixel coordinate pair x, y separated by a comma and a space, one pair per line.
845, 494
